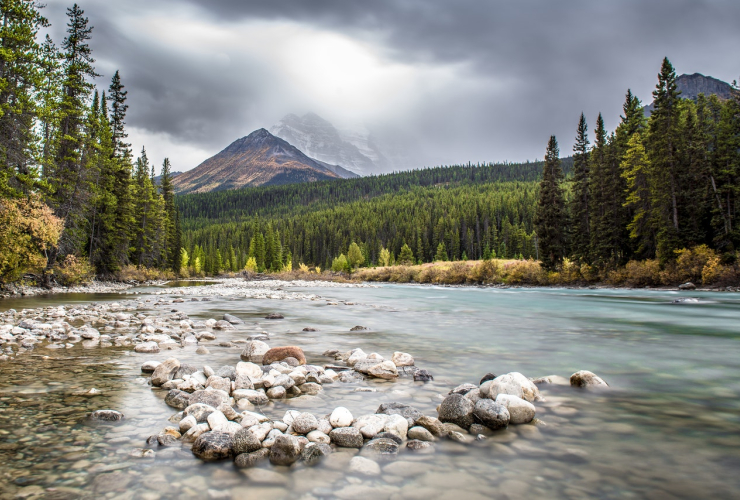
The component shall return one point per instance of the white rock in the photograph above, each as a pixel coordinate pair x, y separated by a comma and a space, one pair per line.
147, 347
217, 420
397, 425
187, 423
371, 425
521, 411
385, 370
249, 369
357, 355
289, 416
514, 384
402, 359
318, 437
340, 417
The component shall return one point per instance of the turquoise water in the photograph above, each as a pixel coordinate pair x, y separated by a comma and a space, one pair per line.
669, 427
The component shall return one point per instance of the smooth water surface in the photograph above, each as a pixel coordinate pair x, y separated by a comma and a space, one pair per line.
668, 428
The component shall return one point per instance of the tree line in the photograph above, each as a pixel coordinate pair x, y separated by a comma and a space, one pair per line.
64, 158
649, 189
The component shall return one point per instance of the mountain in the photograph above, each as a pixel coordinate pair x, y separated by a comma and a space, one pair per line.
259, 159
691, 86
357, 150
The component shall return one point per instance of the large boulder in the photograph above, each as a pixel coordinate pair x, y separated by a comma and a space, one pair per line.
285, 450
514, 384
520, 411
251, 370
213, 445
210, 397
165, 371
458, 410
585, 378
491, 414
254, 351
280, 353
346, 437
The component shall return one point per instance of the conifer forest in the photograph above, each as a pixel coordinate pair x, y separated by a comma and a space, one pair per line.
76, 201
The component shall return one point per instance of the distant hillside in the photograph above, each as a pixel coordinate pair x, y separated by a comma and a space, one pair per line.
260, 159
691, 86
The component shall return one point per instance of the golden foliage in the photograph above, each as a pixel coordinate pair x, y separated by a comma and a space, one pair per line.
28, 228
74, 271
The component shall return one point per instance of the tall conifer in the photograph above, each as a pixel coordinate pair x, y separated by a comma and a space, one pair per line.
551, 219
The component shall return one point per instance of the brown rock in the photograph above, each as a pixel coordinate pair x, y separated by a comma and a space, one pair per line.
280, 353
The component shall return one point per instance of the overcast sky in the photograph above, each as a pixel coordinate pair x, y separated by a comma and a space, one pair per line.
452, 81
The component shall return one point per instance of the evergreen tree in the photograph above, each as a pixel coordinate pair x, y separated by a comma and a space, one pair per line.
550, 220
636, 171
170, 245
406, 257
580, 203
118, 116
663, 143
441, 254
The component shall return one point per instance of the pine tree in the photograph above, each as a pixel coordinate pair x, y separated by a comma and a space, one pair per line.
441, 255
635, 168
550, 221
580, 204
406, 257
663, 143
170, 217
118, 116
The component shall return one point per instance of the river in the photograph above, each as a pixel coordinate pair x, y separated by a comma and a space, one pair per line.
669, 426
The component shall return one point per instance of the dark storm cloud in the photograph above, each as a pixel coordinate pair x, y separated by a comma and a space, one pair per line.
532, 66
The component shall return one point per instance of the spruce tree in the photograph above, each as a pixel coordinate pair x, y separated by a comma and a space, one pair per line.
551, 219
118, 116
663, 143
406, 256
580, 203
635, 168
441, 255
171, 247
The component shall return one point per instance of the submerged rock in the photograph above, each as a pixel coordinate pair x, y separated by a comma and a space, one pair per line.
313, 453
233, 319
274, 316
106, 415
285, 450
585, 378
248, 460
423, 376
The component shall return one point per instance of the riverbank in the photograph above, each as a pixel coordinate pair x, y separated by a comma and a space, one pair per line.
15, 290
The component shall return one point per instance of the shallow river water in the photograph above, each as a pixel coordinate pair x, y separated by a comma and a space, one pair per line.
669, 427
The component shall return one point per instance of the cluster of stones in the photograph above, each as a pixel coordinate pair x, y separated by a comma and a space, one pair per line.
357, 364
245, 386
92, 325
498, 401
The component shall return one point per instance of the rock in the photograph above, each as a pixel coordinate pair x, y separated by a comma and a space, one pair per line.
248, 460
402, 359
166, 440
283, 381
223, 325
147, 347
474, 396
420, 433
149, 366
358, 328
106, 415
313, 453
254, 351
423, 376
356, 356
381, 446
687, 286
202, 350
277, 392
251, 370
410, 413
364, 466
305, 423
488, 376
397, 425
233, 319
255, 397
364, 365
420, 446
346, 437
586, 378
432, 424
325, 426
199, 411
219, 383
217, 421
194, 433
274, 316
491, 414
165, 371
177, 399
228, 372
310, 329
389, 435
317, 436
285, 450
551, 379
520, 411
141, 453
187, 423
463, 389
457, 437
210, 397
370, 425
385, 370
458, 410
514, 384
280, 353
213, 445
246, 441
340, 417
